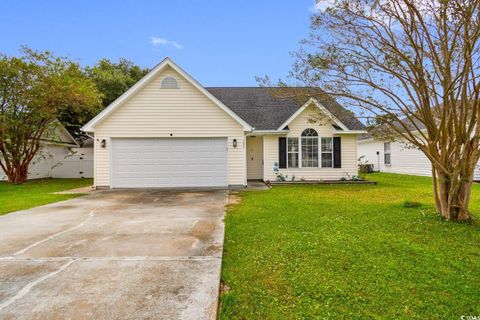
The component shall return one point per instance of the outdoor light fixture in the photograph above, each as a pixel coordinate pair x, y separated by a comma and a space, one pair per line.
234, 143
103, 143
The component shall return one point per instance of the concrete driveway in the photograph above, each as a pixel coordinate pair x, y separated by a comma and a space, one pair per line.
122, 254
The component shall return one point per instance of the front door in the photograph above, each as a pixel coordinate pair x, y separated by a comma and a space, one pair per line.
255, 158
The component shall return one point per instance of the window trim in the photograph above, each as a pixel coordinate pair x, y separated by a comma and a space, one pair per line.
293, 152
326, 152
309, 137
385, 153
319, 150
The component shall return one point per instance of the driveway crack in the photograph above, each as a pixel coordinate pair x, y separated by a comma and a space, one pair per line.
53, 236
26, 289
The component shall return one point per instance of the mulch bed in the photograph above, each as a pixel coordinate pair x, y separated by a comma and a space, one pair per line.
323, 182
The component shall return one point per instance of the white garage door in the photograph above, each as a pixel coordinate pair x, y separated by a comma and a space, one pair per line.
169, 162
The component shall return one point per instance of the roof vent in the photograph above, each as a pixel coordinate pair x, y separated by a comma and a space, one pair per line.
170, 83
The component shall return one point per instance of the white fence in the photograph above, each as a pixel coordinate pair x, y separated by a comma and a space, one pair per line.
79, 165
55, 161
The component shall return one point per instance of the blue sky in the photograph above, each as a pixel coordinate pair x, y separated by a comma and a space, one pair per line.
220, 43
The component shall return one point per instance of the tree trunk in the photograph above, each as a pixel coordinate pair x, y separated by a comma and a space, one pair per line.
17, 175
453, 194
435, 190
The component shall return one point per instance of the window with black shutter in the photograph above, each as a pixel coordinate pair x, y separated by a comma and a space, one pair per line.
337, 152
282, 153
327, 152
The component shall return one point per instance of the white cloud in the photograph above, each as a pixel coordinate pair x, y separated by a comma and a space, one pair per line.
321, 5
157, 41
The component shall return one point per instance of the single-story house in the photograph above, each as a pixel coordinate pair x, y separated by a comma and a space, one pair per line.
397, 156
169, 131
60, 156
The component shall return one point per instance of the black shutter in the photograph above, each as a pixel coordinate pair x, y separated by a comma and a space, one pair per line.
282, 153
337, 152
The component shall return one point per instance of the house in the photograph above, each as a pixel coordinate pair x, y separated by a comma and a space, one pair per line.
397, 156
60, 156
170, 131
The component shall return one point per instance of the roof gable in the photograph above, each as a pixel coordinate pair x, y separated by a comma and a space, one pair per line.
167, 62
264, 110
320, 107
56, 133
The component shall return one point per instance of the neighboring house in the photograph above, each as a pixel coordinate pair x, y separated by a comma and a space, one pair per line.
60, 156
169, 131
396, 156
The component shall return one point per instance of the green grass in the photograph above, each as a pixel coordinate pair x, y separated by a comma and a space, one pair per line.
36, 192
349, 252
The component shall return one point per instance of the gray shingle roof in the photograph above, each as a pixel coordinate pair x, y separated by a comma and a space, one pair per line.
263, 109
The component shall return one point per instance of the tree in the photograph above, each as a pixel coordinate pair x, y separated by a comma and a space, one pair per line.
413, 67
34, 90
112, 80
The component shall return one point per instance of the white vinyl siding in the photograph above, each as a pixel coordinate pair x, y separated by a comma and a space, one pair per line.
162, 113
297, 126
405, 159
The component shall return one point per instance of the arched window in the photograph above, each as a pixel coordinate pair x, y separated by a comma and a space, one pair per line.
309, 148
309, 133
170, 83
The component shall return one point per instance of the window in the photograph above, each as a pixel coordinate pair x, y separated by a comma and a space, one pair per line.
309, 148
327, 153
387, 155
170, 83
292, 152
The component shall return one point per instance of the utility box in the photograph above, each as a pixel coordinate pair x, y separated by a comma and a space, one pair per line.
365, 168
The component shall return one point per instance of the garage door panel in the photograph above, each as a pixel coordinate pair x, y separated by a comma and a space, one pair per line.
170, 162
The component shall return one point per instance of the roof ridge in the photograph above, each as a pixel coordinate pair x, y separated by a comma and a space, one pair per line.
252, 87
239, 87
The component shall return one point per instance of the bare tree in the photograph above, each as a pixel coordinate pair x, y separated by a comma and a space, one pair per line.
413, 67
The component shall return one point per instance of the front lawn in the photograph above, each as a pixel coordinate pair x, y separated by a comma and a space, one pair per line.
349, 252
36, 192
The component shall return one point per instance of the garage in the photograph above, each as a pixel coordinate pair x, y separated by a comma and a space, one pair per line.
168, 131
168, 162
